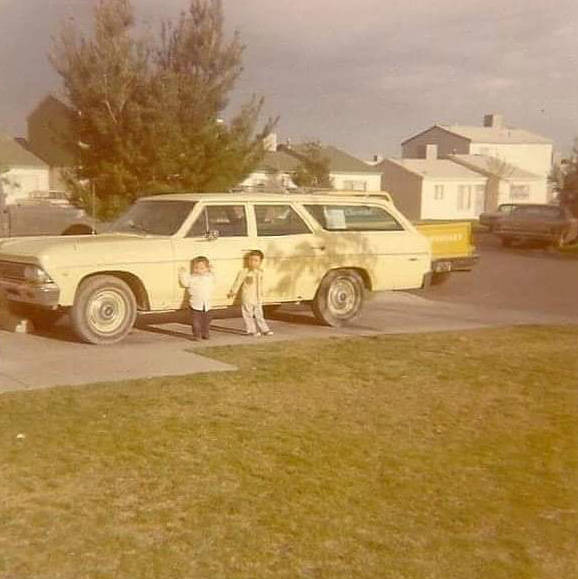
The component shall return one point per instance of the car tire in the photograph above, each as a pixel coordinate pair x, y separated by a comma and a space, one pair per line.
104, 310
339, 298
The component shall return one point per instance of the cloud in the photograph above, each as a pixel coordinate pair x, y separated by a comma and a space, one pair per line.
362, 74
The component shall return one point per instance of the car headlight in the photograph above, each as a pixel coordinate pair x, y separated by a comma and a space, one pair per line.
36, 275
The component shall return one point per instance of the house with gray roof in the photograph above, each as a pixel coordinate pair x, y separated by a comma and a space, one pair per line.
457, 186
434, 188
507, 183
518, 147
21, 172
347, 173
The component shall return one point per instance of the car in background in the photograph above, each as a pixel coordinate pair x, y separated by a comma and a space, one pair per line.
490, 218
50, 197
551, 224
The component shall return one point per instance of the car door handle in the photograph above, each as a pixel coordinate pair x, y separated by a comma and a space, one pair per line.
321, 247
413, 259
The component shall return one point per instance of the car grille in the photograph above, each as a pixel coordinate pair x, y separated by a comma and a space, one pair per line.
12, 271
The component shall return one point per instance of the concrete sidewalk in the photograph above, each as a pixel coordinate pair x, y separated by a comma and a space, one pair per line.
161, 345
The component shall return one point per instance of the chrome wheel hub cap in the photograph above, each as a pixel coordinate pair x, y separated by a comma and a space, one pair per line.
107, 311
342, 297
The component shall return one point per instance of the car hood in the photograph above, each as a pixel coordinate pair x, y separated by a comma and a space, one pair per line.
67, 251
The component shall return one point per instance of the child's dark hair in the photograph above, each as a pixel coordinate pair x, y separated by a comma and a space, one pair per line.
201, 259
257, 253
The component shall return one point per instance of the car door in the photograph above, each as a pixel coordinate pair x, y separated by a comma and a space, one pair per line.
516, 221
293, 252
220, 232
369, 237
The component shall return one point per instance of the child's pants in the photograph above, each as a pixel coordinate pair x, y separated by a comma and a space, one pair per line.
254, 319
201, 323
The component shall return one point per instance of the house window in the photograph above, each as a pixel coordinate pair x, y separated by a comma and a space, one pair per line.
519, 192
464, 197
439, 192
354, 186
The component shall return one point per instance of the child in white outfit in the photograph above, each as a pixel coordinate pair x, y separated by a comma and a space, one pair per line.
200, 286
250, 282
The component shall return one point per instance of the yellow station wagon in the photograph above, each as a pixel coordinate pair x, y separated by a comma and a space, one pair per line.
324, 249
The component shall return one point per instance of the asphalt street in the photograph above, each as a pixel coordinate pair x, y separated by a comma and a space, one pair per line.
508, 287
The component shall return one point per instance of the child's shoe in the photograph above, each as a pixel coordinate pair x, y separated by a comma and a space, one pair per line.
269, 333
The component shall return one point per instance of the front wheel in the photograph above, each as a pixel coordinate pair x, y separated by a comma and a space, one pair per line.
104, 310
339, 298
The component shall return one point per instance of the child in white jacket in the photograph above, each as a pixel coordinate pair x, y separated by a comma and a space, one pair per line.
200, 285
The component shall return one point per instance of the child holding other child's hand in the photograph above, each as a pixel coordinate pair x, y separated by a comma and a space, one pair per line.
250, 282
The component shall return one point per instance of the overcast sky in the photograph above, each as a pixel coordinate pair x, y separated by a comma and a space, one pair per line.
359, 74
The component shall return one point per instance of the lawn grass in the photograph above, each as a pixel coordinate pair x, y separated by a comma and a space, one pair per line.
440, 456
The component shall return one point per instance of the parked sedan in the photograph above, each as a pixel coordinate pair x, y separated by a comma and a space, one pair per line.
550, 224
490, 218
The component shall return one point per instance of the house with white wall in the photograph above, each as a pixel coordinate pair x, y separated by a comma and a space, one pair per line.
506, 183
348, 173
517, 147
274, 171
434, 188
21, 171
280, 162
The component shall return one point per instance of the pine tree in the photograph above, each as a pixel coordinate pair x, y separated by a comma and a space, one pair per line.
149, 110
569, 192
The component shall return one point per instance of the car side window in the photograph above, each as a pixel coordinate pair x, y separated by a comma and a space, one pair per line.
227, 220
354, 218
278, 220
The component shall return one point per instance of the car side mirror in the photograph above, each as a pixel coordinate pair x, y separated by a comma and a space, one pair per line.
212, 235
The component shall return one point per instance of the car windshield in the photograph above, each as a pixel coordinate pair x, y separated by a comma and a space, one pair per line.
153, 217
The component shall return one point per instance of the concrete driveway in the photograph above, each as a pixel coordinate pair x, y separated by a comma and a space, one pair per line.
509, 287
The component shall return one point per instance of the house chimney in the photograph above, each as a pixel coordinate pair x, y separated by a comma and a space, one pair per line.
494, 120
431, 152
270, 142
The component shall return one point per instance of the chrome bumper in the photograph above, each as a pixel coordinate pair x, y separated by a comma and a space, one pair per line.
454, 263
45, 296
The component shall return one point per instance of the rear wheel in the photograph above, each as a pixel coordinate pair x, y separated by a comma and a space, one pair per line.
339, 298
104, 310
